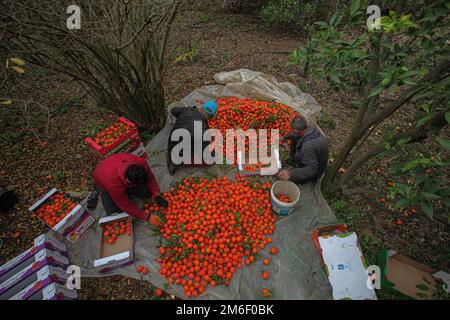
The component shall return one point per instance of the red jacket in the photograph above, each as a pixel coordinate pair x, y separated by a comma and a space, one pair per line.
110, 176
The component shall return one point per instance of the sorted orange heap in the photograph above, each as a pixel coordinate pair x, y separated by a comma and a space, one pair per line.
284, 198
245, 114
210, 227
113, 230
55, 209
112, 133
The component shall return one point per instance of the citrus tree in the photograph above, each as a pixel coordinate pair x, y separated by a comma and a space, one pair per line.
399, 67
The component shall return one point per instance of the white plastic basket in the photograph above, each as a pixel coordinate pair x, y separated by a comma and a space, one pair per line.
287, 188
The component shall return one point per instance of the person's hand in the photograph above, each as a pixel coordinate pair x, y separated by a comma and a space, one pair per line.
162, 202
154, 220
284, 175
290, 136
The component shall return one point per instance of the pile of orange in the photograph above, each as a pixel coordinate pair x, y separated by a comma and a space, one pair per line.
245, 114
253, 167
210, 227
55, 209
115, 229
284, 198
111, 134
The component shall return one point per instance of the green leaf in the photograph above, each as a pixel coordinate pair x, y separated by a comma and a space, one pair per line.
445, 192
403, 141
402, 203
376, 91
430, 195
447, 116
321, 23
410, 165
334, 77
354, 7
422, 287
427, 209
335, 20
421, 295
422, 121
421, 178
444, 142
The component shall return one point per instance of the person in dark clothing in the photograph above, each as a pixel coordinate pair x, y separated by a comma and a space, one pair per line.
309, 153
186, 119
122, 175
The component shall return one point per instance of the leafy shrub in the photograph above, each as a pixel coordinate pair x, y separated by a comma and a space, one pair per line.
287, 13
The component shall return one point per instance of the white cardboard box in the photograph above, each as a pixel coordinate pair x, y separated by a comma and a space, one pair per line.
44, 241
345, 268
49, 284
80, 228
28, 274
266, 170
118, 255
74, 224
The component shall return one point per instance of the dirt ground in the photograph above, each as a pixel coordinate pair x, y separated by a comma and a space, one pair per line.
219, 42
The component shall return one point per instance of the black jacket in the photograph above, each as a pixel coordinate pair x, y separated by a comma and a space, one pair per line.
185, 120
310, 156
186, 117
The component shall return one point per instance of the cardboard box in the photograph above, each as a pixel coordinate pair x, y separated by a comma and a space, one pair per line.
73, 224
245, 169
80, 228
44, 241
127, 143
49, 284
410, 277
51, 291
121, 253
29, 273
344, 263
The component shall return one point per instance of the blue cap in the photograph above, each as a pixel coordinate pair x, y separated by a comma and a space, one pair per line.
211, 107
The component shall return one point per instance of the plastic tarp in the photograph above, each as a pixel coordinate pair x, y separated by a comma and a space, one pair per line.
295, 272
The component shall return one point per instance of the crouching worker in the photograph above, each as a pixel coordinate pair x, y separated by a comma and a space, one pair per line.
187, 119
309, 153
120, 176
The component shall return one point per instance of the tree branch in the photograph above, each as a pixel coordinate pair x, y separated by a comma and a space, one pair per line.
436, 123
435, 75
166, 34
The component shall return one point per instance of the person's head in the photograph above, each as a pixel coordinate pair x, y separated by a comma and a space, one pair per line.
210, 108
136, 175
299, 125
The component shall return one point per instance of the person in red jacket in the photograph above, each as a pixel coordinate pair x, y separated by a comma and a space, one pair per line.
122, 175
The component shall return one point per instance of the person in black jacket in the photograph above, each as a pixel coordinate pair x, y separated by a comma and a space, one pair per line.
186, 118
309, 153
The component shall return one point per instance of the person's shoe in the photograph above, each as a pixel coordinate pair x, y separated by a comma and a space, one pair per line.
92, 201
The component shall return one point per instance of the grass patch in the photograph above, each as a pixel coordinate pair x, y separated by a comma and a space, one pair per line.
93, 127
326, 121
344, 212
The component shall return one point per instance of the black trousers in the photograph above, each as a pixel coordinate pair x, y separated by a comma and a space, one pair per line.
111, 207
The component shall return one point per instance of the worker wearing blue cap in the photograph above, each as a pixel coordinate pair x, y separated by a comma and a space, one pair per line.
185, 119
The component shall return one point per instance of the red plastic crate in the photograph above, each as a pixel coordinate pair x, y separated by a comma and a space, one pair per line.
130, 142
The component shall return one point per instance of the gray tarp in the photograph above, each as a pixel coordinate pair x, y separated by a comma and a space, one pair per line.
295, 272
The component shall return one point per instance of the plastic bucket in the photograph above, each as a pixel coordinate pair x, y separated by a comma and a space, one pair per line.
286, 188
